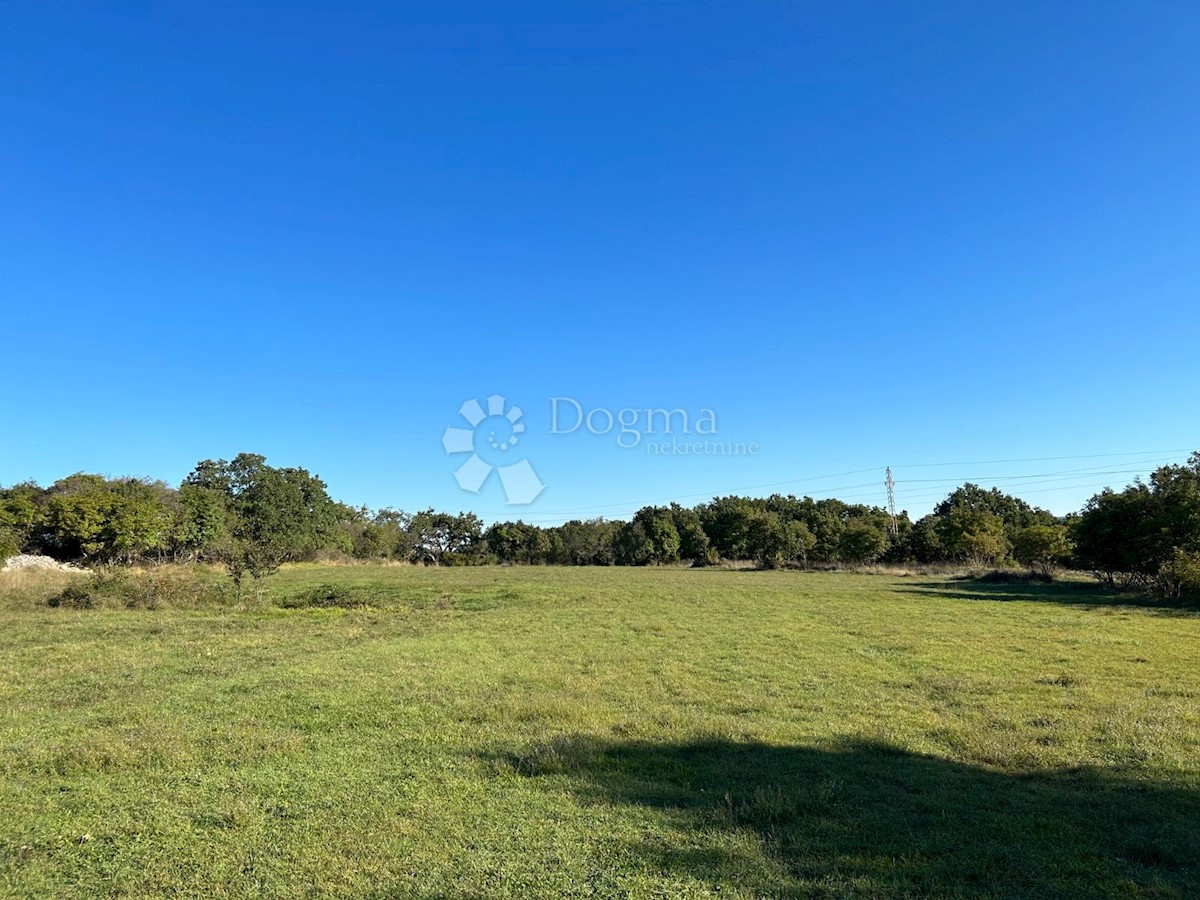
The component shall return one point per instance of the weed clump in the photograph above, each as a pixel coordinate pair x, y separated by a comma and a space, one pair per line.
559, 755
325, 596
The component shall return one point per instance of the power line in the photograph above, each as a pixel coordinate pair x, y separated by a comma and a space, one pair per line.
1055, 484
641, 503
1061, 484
992, 478
990, 462
1032, 479
736, 490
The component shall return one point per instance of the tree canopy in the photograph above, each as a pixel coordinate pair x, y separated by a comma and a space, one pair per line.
253, 517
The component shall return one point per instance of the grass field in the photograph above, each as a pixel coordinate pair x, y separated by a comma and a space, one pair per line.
630, 732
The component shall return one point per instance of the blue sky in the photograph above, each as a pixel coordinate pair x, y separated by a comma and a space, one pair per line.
862, 234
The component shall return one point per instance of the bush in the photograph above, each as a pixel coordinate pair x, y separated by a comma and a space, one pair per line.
1041, 547
1181, 576
122, 589
325, 596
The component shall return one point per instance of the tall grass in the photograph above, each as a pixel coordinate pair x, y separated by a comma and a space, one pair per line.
27, 588
175, 587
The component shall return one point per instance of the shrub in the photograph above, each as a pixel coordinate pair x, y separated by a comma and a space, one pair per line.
1041, 547
1181, 576
325, 596
113, 588
76, 596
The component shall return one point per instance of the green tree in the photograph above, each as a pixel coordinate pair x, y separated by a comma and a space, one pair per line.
396, 534
138, 521
359, 535
590, 543
445, 539
21, 517
76, 513
1014, 513
777, 542
273, 515
201, 528
662, 533
862, 542
726, 521
826, 519
1143, 536
1041, 547
518, 542
649, 539
91, 518
694, 544
925, 542
973, 534
1180, 575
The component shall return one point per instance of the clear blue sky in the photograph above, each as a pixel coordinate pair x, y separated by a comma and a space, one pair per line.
862, 234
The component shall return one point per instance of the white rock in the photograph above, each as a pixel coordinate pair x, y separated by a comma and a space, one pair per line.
29, 561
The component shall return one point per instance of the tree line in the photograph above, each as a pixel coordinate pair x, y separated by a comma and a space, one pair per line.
253, 517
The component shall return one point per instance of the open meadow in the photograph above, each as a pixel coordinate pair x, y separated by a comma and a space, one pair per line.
550, 732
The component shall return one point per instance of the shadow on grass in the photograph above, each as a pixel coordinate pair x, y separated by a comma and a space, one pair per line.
1072, 593
868, 820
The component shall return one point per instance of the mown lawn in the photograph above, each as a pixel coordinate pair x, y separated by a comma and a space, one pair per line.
618, 732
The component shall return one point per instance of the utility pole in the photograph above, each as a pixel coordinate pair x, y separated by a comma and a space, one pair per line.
891, 494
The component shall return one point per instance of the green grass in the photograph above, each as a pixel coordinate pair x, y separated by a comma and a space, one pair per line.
400, 732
